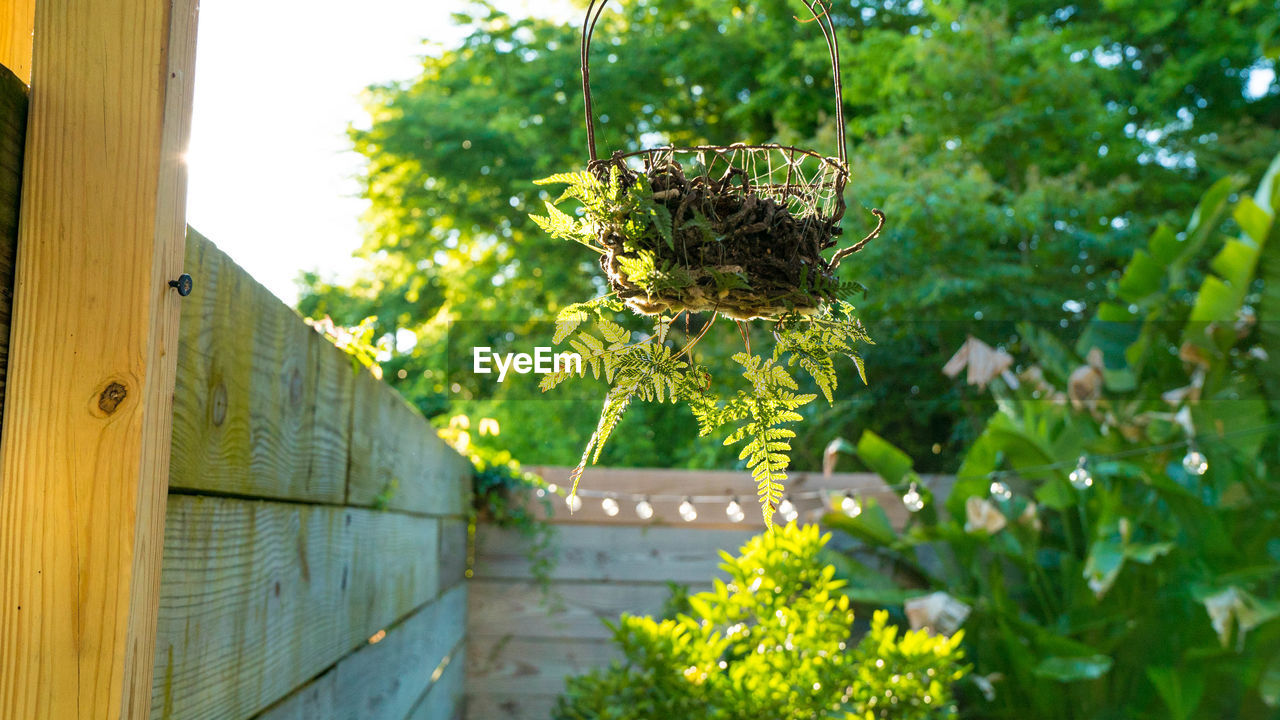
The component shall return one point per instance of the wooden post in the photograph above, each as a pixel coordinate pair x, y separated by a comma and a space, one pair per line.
85, 450
17, 18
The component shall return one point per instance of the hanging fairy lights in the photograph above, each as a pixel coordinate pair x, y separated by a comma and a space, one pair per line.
851, 501
644, 508
912, 499
734, 511
1194, 462
1081, 478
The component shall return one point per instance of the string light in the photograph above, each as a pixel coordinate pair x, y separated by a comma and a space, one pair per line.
1080, 477
610, 506
644, 509
687, 511
1194, 462
850, 505
913, 500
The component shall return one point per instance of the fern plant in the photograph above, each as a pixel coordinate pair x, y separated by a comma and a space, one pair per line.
634, 234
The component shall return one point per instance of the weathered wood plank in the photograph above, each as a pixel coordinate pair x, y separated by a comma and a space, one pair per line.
398, 460
385, 680
501, 705
85, 452
645, 481
446, 698
257, 597
453, 551
603, 553
507, 610
532, 666
13, 134
263, 402
17, 20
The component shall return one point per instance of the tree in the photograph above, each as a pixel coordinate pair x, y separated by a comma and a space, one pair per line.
1020, 149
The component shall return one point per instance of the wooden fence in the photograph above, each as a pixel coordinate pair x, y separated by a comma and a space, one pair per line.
314, 545
315, 539
522, 642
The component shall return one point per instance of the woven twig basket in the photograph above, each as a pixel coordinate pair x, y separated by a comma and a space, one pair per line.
785, 201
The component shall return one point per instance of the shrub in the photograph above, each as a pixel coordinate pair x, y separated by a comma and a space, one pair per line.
774, 643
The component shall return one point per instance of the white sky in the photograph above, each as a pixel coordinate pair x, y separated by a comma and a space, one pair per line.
277, 82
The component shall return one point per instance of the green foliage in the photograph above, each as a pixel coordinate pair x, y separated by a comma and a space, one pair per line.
501, 495
774, 643
647, 369
1021, 149
1150, 593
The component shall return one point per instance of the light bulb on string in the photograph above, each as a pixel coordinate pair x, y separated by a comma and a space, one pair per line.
1080, 478
574, 502
786, 507
644, 509
1194, 462
734, 511
850, 505
687, 511
610, 506
913, 501
1000, 491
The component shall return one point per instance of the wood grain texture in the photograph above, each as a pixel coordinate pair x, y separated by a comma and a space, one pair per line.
532, 666
387, 679
446, 698
258, 597
648, 481
505, 610
501, 705
13, 134
398, 460
85, 454
453, 551
601, 553
17, 21
263, 402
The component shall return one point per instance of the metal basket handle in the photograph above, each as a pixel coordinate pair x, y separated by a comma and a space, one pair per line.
595, 8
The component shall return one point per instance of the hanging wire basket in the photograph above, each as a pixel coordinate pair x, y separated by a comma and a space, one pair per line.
749, 222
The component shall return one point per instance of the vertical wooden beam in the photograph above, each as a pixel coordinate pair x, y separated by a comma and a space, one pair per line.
85, 449
17, 18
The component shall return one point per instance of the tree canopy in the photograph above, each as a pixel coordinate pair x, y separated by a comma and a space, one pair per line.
1021, 150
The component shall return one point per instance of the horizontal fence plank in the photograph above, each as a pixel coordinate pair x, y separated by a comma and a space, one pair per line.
506, 610
398, 460
257, 597
446, 698
602, 553
499, 704
263, 402
627, 482
532, 666
385, 680
13, 133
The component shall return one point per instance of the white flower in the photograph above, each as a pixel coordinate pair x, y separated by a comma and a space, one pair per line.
939, 613
980, 514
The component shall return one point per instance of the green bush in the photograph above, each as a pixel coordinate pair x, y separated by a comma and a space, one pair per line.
774, 643
1148, 592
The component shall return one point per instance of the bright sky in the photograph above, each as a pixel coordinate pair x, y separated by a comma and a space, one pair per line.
277, 82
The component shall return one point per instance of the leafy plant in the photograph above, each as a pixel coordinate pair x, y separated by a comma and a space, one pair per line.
776, 642
500, 496
1147, 589
621, 221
